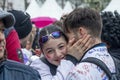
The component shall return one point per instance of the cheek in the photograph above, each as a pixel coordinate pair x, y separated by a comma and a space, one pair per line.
65, 51
49, 56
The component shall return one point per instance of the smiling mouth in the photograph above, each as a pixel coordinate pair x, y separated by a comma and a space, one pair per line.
60, 59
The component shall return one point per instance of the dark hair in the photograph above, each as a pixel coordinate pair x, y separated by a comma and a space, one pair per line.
84, 17
111, 29
63, 17
50, 29
57, 23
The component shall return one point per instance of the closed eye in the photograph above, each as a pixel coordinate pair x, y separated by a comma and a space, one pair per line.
62, 46
50, 51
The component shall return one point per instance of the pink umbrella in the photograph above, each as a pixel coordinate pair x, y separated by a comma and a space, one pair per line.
42, 21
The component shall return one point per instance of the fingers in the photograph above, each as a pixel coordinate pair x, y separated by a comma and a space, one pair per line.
85, 40
71, 42
77, 49
82, 42
84, 45
87, 44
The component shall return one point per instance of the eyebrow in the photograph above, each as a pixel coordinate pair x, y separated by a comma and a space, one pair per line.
61, 44
47, 49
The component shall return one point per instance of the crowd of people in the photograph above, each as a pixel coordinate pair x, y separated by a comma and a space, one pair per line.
58, 51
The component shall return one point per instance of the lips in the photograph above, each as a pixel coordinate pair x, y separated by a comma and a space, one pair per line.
60, 59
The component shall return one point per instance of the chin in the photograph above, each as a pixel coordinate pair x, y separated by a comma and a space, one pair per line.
57, 64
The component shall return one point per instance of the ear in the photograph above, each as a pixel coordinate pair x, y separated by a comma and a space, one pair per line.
82, 31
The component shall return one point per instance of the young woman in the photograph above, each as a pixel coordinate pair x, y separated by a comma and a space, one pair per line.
55, 64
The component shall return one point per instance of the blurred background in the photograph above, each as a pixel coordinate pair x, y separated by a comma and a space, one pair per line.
23, 4
57, 8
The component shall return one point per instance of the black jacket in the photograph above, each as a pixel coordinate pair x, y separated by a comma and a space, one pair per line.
11, 70
115, 53
52, 67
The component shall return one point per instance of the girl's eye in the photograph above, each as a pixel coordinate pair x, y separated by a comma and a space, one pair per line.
50, 51
61, 46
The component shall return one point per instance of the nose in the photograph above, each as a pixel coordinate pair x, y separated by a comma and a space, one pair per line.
2, 39
1, 35
59, 54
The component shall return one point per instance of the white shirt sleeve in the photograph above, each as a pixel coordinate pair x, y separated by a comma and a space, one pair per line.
44, 71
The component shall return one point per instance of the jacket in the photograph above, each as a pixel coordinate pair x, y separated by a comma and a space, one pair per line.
52, 67
46, 72
115, 52
11, 70
12, 44
90, 71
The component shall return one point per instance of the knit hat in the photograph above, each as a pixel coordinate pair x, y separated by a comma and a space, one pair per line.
7, 18
23, 23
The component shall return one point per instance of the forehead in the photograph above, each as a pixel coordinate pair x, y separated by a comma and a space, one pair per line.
53, 43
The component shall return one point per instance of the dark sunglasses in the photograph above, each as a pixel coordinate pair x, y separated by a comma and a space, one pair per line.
44, 39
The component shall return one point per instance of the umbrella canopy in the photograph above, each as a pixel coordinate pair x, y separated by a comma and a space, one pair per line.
51, 8
68, 8
33, 9
113, 5
42, 21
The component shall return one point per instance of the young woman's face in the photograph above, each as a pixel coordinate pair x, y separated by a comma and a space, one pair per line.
55, 49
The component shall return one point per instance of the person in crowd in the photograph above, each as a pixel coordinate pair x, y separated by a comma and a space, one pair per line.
12, 40
83, 21
23, 26
35, 53
53, 44
35, 45
35, 32
111, 32
9, 69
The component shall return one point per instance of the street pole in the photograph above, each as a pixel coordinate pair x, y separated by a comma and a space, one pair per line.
4, 2
62, 4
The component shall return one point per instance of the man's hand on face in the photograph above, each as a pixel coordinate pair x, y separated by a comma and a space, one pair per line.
78, 48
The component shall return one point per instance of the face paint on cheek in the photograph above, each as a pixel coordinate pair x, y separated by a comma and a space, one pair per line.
48, 56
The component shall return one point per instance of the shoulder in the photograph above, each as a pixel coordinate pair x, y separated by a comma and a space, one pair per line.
38, 63
17, 66
19, 69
